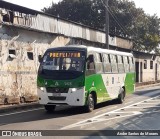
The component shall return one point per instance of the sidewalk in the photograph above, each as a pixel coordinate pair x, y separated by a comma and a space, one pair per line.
24, 106
146, 85
9, 108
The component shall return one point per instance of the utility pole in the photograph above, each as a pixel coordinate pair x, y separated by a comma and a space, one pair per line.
107, 23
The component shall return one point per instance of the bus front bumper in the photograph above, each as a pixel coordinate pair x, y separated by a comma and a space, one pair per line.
74, 97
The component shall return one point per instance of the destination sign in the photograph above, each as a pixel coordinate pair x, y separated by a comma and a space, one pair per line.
65, 54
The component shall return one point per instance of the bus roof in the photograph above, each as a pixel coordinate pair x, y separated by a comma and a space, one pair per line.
94, 49
100, 50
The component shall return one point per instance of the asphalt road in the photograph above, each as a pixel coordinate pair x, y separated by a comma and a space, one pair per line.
140, 111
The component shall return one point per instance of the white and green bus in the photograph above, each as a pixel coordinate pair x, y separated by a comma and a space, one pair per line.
78, 75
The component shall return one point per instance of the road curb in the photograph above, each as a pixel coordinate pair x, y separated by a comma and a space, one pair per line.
9, 108
147, 86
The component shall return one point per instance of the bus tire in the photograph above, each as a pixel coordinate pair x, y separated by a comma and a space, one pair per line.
50, 108
121, 96
90, 103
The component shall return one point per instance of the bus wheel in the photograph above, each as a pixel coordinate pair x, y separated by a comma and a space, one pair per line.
91, 102
50, 108
121, 96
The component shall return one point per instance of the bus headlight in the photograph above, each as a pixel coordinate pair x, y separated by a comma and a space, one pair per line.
74, 89
41, 88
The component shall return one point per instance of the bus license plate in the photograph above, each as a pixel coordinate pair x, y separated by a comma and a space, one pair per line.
56, 94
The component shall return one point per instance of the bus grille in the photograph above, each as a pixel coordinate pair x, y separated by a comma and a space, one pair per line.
57, 98
57, 90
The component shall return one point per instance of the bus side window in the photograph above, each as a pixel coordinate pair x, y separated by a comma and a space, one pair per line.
90, 62
120, 64
98, 63
131, 64
126, 64
107, 63
114, 63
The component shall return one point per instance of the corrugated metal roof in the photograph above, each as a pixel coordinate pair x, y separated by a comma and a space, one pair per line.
35, 20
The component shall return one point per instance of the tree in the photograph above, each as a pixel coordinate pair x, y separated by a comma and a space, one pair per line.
125, 19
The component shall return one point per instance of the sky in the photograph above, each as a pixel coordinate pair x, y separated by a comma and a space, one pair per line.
33, 4
149, 6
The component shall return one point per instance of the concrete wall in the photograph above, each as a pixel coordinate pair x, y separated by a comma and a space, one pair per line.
148, 74
124, 43
18, 71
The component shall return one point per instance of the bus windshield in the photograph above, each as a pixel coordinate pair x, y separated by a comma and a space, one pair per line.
63, 62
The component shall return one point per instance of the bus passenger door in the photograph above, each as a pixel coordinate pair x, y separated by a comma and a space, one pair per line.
93, 79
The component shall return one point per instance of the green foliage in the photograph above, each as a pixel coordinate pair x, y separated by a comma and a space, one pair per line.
125, 19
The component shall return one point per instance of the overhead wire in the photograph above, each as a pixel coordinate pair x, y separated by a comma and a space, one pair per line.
117, 21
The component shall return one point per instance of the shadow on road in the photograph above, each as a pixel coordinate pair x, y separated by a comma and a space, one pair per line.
41, 114
144, 92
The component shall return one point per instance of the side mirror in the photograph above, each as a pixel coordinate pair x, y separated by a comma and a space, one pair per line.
40, 59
